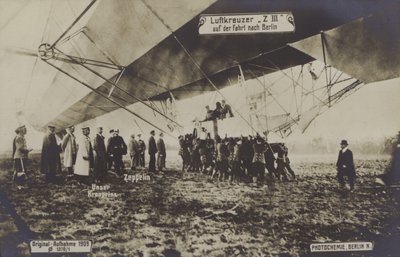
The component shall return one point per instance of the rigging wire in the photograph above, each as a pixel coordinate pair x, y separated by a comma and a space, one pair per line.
104, 53
295, 82
294, 90
265, 104
112, 83
98, 107
73, 44
345, 95
73, 23
280, 105
29, 89
148, 32
109, 99
194, 62
302, 89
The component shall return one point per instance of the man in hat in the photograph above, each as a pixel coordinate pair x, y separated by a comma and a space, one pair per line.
345, 166
141, 152
133, 147
109, 156
20, 156
258, 165
84, 158
281, 163
70, 149
116, 148
161, 153
287, 162
226, 109
234, 159
246, 153
209, 114
152, 152
50, 162
221, 164
100, 155
269, 156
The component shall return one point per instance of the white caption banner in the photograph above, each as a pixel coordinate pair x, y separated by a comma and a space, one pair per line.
61, 246
339, 247
246, 23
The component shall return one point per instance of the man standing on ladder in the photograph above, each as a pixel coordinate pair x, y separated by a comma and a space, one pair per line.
226, 109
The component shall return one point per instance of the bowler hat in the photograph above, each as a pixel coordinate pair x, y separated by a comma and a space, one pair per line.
344, 142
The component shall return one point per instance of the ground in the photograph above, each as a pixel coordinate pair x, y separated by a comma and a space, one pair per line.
188, 214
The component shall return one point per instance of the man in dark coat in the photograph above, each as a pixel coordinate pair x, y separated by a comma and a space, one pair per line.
258, 164
50, 162
270, 161
246, 153
152, 152
116, 148
345, 166
100, 155
133, 147
161, 153
141, 152
110, 159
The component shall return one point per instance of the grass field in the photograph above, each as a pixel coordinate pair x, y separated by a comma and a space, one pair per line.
188, 214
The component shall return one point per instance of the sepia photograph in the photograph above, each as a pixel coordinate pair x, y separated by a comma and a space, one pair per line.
174, 128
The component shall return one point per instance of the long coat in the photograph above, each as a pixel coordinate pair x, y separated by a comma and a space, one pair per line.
161, 146
133, 147
20, 149
152, 146
100, 157
116, 146
50, 160
345, 163
70, 149
84, 157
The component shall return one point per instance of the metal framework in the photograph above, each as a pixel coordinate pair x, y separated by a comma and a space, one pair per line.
49, 52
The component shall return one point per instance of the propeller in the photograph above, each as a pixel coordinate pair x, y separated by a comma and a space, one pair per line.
32, 53
21, 51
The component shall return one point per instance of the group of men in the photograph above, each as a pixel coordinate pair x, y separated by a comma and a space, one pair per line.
220, 112
236, 159
250, 159
85, 158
